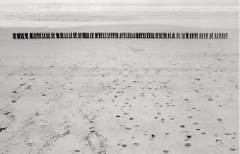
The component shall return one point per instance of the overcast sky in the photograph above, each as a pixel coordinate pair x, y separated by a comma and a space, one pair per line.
161, 2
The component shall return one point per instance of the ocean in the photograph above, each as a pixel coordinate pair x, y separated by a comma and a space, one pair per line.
69, 15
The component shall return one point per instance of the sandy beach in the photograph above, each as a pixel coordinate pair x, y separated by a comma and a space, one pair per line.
118, 95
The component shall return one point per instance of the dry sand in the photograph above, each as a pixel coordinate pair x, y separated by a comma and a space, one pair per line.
118, 95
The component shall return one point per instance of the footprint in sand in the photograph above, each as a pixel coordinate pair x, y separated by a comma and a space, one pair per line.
187, 144
188, 137
14, 92
182, 126
136, 144
232, 149
162, 120
219, 120
210, 99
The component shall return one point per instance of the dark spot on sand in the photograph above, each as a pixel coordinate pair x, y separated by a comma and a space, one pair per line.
6, 113
162, 120
124, 145
182, 126
187, 144
227, 133
188, 136
195, 123
232, 149
3, 128
165, 151
218, 140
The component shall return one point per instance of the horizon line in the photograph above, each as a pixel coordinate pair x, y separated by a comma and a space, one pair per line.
52, 3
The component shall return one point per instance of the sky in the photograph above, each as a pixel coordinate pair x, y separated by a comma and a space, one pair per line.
159, 2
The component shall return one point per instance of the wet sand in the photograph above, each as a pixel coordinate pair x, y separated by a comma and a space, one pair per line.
119, 95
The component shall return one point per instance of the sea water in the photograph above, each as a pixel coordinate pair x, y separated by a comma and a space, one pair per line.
68, 15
